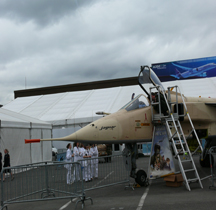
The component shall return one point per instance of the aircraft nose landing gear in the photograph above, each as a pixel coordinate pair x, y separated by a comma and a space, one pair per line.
139, 175
141, 178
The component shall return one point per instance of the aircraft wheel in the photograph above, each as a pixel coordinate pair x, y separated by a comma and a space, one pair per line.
141, 177
206, 161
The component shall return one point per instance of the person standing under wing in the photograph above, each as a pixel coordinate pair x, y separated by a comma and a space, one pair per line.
76, 154
83, 164
87, 164
94, 166
69, 157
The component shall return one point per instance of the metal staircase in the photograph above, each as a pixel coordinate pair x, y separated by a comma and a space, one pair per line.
171, 118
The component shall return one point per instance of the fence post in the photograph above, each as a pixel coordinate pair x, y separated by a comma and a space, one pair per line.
48, 191
83, 198
2, 192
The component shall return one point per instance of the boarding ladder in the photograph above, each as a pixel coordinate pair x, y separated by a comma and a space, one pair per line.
175, 132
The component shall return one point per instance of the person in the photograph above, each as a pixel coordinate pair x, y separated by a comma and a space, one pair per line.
76, 154
87, 164
69, 157
7, 164
155, 98
109, 152
82, 153
94, 162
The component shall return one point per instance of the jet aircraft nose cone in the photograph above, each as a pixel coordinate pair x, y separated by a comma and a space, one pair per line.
100, 130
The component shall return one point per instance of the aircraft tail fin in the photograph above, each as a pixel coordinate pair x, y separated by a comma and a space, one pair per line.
177, 74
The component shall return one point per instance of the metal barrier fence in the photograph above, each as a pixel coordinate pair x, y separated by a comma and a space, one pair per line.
105, 171
212, 154
56, 180
40, 182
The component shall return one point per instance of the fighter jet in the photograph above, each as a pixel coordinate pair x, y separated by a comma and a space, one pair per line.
134, 122
193, 72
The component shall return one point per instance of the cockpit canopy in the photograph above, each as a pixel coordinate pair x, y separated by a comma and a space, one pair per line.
147, 78
138, 102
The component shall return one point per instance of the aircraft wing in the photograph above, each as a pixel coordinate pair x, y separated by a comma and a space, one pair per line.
182, 67
211, 104
202, 74
177, 77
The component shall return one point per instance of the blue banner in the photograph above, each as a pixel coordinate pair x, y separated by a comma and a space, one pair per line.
186, 69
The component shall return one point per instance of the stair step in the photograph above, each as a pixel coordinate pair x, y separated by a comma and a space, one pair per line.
189, 170
180, 143
172, 126
180, 152
193, 180
169, 119
184, 161
154, 103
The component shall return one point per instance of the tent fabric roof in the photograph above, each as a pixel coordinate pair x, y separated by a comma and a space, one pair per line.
81, 106
12, 119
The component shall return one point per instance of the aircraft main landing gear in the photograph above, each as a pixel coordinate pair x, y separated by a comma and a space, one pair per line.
205, 161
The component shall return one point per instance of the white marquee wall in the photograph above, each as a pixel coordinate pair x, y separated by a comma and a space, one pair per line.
14, 128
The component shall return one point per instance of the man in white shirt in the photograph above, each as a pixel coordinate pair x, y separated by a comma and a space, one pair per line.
94, 165
69, 157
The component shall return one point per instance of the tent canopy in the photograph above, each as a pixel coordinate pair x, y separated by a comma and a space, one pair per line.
12, 119
81, 106
69, 111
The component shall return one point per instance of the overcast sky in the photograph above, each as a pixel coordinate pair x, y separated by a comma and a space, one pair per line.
57, 42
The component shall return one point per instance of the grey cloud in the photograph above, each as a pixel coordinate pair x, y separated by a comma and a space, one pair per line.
40, 11
105, 40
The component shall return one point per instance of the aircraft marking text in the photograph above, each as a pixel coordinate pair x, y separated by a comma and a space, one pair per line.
107, 127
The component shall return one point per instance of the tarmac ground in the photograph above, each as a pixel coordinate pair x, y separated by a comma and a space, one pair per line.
156, 196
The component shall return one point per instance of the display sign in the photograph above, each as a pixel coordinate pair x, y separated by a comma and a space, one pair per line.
161, 160
186, 69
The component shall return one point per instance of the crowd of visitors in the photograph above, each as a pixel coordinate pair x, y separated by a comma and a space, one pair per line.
87, 156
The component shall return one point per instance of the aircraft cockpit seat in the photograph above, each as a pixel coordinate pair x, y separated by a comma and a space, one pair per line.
137, 103
141, 104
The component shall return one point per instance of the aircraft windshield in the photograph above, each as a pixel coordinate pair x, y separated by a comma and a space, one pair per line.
147, 76
137, 103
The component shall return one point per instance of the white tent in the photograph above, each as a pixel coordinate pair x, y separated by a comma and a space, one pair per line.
14, 128
69, 111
